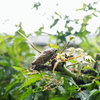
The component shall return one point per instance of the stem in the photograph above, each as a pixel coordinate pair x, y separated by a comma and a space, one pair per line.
72, 64
77, 78
29, 42
68, 72
65, 47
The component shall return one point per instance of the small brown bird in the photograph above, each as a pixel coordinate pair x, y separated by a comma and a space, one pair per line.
45, 56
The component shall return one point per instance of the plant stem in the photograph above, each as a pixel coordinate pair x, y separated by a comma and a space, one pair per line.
29, 42
65, 47
68, 72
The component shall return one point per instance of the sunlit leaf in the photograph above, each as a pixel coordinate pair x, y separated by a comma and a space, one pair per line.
98, 83
5, 37
53, 46
18, 68
31, 80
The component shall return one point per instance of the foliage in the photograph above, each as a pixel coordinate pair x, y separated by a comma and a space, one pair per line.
36, 5
83, 33
19, 83
74, 76
13, 52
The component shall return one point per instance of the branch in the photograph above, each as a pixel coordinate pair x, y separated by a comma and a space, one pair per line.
29, 42
69, 73
49, 34
65, 47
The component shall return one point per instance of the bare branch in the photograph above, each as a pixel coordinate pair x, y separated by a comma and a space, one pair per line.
29, 42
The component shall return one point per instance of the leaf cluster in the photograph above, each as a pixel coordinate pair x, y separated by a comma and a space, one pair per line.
19, 83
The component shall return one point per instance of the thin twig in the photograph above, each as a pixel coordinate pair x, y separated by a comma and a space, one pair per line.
72, 64
65, 47
29, 42
49, 34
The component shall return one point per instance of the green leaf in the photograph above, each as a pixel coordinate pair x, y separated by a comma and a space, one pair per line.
3, 63
20, 28
53, 46
31, 80
55, 22
88, 86
82, 95
58, 14
9, 87
36, 5
83, 8
93, 92
6, 37
62, 90
98, 83
39, 31
18, 68
29, 97
88, 67
25, 94
59, 98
